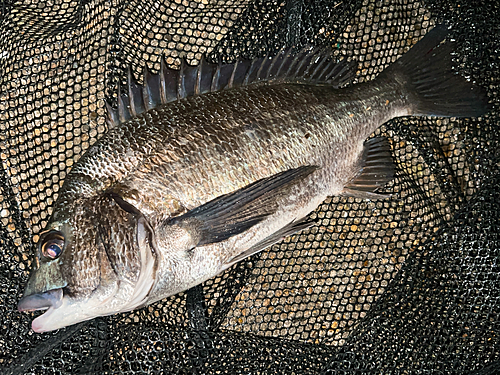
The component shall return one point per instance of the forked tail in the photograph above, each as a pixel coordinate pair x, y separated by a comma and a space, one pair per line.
435, 90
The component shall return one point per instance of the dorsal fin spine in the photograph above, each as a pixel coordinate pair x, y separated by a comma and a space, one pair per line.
250, 71
132, 94
147, 90
163, 87
122, 107
273, 62
231, 79
294, 61
259, 72
215, 79
111, 115
284, 53
308, 65
320, 64
197, 86
180, 83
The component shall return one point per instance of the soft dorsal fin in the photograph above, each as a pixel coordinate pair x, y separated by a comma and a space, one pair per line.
311, 65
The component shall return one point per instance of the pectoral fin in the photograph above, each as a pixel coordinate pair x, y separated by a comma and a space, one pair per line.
376, 169
233, 213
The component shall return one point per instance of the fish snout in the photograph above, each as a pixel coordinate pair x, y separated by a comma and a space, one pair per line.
41, 301
44, 289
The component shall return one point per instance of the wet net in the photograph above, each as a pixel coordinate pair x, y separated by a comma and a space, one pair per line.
408, 284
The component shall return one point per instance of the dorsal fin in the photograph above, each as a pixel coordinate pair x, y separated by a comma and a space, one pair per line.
311, 65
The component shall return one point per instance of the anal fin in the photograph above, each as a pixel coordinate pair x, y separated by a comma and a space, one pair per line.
377, 168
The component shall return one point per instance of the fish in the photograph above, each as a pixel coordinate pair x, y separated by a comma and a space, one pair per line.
205, 166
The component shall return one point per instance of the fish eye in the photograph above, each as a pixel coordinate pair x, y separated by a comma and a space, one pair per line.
52, 245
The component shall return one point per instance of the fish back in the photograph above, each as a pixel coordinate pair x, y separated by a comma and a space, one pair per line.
309, 65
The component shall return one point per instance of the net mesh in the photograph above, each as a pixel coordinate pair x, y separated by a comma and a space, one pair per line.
402, 285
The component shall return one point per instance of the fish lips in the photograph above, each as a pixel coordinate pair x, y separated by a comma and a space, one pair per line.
61, 310
51, 300
41, 301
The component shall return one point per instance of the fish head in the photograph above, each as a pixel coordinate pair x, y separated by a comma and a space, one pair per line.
95, 258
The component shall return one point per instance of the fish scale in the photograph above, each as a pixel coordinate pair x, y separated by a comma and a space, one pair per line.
326, 128
178, 191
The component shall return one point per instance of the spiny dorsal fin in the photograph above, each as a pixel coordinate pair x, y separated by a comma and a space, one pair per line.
311, 65
135, 95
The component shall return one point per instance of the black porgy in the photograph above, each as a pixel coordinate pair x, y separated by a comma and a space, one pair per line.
208, 165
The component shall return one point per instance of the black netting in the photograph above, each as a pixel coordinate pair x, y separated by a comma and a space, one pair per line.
402, 285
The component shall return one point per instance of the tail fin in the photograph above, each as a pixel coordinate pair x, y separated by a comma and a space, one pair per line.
435, 90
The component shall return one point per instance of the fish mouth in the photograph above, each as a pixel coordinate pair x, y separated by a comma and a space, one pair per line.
41, 301
49, 300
